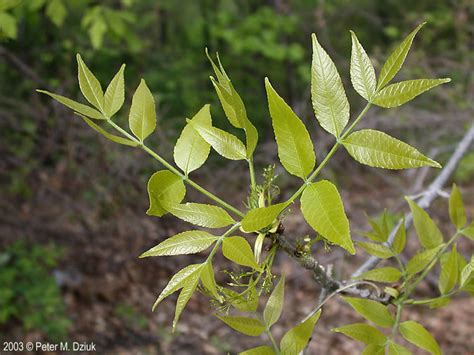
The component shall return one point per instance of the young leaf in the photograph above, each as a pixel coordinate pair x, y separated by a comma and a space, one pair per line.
191, 150
456, 208
400, 238
189, 242
208, 280
274, 306
178, 281
295, 340
396, 59
416, 334
362, 71
399, 93
379, 150
295, 148
466, 273
226, 144
449, 274
379, 250
469, 231
327, 93
245, 325
76, 106
322, 208
261, 217
203, 215
115, 93
238, 250
372, 311
164, 190
363, 332
90, 86
244, 303
112, 137
383, 274
428, 232
189, 286
374, 349
259, 350
397, 349
142, 117
421, 260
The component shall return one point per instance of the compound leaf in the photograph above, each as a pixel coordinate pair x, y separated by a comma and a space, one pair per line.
295, 148
323, 209
379, 150
142, 117
327, 93
362, 71
372, 311
165, 189
189, 242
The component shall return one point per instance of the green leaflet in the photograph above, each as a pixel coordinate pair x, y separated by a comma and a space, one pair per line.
416, 334
189, 286
189, 242
399, 93
178, 281
243, 303
76, 106
456, 208
380, 230
397, 349
90, 86
226, 144
208, 280
466, 273
372, 311
362, 70
378, 250
327, 93
201, 214
379, 150
259, 350
295, 340
112, 137
261, 217
245, 325
115, 93
274, 306
164, 190
295, 148
233, 105
8, 25
56, 11
400, 238
468, 231
142, 117
374, 349
383, 274
428, 232
323, 209
418, 262
363, 332
449, 274
238, 250
191, 150
395, 61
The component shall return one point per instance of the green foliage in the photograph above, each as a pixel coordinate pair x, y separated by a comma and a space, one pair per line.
321, 203
29, 293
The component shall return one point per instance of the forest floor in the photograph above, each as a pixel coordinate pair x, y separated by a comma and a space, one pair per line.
109, 291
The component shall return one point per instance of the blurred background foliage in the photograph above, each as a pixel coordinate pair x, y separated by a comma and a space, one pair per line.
48, 152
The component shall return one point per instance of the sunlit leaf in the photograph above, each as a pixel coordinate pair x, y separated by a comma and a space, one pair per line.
375, 249
428, 232
374, 349
189, 286
208, 280
456, 208
399, 93
76, 106
295, 148
238, 250
467, 272
90, 86
164, 190
400, 238
383, 274
142, 117
191, 150
327, 93
378, 149
261, 217
416, 334
362, 71
363, 332
469, 231
418, 262
259, 350
110, 136
449, 274
274, 306
397, 349
323, 209
201, 214
115, 93
189, 242
372, 311
245, 325
295, 340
